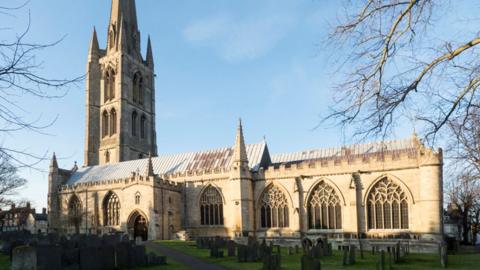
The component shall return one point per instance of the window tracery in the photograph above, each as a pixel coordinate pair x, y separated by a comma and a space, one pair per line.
324, 209
387, 206
274, 209
211, 207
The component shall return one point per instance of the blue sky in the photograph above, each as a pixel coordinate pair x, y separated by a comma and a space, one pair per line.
215, 61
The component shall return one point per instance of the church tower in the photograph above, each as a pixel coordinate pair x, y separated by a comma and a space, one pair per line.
120, 107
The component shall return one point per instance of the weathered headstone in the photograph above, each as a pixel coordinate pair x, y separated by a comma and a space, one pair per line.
381, 263
296, 249
443, 255
290, 250
272, 262
49, 257
121, 255
24, 258
345, 257
242, 253
231, 248
309, 263
351, 255
89, 259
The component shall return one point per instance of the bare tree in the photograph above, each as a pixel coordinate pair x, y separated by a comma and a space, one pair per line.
464, 152
464, 194
394, 68
21, 76
10, 182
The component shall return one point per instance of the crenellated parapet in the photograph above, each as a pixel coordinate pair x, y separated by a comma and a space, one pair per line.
135, 179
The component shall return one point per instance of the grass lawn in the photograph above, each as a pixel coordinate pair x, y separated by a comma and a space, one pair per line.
4, 262
171, 264
412, 262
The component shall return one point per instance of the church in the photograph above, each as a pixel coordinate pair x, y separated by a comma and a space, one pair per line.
388, 189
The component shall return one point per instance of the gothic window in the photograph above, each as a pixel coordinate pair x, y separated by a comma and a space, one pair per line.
143, 126
138, 94
274, 209
113, 122
137, 198
134, 123
107, 156
75, 208
111, 210
109, 89
211, 207
324, 209
387, 206
105, 124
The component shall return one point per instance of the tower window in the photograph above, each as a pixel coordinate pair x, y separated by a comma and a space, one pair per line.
109, 86
104, 124
143, 126
134, 123
113, 122
137, 91
107, 156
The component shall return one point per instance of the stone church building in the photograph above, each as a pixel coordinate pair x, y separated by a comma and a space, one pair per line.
376, 190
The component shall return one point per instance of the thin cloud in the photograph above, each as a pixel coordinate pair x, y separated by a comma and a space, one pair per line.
242, 39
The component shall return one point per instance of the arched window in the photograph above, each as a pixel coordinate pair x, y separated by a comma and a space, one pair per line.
107, 156
111, 210
105, 124
109, 89
75, 208
111, 39
137, 93
143, 126
137, 198
387, 206
324, 209
134, 123
211, 207
113, 122
274, 209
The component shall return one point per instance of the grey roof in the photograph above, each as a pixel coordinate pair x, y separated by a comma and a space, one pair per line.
258, 156
169, 164
344, 151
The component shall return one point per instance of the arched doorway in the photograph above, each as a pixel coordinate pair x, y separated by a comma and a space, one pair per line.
138, 226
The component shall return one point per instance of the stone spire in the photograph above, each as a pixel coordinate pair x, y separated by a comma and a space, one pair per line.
149, 169
240, 151
94, 47
123, 29
126, 10
149, 53
53, 162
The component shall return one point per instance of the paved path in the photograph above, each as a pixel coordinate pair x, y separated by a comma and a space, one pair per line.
189, 261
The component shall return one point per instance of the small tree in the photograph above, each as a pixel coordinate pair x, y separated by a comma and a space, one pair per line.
10, 182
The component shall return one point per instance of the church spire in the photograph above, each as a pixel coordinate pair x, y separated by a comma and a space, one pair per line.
123, 28
240, 152
53, 162
149, 53
94, 47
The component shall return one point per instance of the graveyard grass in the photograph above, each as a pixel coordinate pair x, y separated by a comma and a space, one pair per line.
4, 262
466, 261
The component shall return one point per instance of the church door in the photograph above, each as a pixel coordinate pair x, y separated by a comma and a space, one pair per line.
140, 228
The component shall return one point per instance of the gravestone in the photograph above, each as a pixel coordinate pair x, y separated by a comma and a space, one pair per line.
443, 255
231, 248
121, 255
155, 260
70, 257
309, 263
290, 250
381, 263
241, 253
316, 251
89, 259
345, 257
49, 257
107, 257
272, 262
296, 249
351, 255
24, 258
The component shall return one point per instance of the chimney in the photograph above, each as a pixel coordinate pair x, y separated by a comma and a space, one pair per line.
13, 206
44, 210
28, 205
